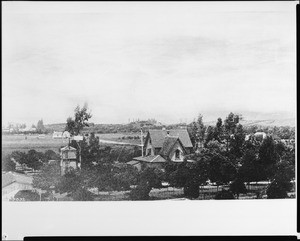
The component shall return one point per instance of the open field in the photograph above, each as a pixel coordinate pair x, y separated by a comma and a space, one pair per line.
24, 143
12, 143
131, 138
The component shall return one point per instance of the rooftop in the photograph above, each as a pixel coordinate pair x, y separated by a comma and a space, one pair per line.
11, 177
158, 137
151, 159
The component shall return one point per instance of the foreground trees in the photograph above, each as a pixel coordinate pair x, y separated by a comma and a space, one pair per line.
225, 158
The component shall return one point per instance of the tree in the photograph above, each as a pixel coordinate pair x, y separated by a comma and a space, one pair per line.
197, 132
70, 182
219, 130
192, 130
27, 195
82, 194
40, 126
251, 170
51, 155
210, 135
76, 125
149, 178
230, 124
8, 164
200, 129
237, 141
221, 169
278, 189
237, 187
90, 151
34, 159
267, 151
48, 177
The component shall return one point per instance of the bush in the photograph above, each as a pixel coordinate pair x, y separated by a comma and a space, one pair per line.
191, 191
82, 194
224, 194
141, 192
278, 189
27, 195
237, 187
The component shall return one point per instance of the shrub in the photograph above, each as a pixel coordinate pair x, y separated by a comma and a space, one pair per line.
278, 189
191, 190
82, 194
141, 192
27, 195
237, 187
224, 194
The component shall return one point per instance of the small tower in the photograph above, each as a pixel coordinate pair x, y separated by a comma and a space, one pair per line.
68, 158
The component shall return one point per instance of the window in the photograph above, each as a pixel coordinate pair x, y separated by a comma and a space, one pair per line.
148, 152
177, 154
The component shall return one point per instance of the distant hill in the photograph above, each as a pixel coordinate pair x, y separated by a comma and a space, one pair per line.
210, 118
254, 118
270, 122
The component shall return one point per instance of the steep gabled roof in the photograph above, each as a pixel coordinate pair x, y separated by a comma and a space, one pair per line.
168, 145
11, 177
151, 159
68, 148
158, 137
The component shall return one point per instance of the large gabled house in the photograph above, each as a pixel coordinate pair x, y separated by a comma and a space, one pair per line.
161, 146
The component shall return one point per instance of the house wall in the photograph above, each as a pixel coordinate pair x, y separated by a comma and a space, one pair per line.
67, 164
149, 147
138, 166
154, 165
172, 155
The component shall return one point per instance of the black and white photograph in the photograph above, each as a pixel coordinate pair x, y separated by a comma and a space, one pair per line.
144, 102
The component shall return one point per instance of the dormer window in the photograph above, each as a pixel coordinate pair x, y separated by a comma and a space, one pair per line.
177, 154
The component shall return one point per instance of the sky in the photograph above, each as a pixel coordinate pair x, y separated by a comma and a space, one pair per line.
127, 60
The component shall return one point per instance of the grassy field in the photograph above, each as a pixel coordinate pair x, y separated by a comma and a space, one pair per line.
121, 137
12, 143
24, 143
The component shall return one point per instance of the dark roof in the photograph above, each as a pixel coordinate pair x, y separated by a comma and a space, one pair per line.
152, 159
68, 148
158, 137
133, 162
168, 145
11, 177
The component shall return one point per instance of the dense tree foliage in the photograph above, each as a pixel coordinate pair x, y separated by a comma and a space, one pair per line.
81, 117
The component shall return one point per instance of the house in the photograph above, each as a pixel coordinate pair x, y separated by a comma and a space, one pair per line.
260, 135
13, 182
162, 146
155, 139
68, 158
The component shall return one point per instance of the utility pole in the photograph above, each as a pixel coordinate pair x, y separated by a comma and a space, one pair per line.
142, 144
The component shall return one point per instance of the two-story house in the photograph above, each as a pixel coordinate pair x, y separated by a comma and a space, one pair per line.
163, 145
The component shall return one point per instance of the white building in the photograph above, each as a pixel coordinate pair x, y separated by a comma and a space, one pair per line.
13, 182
